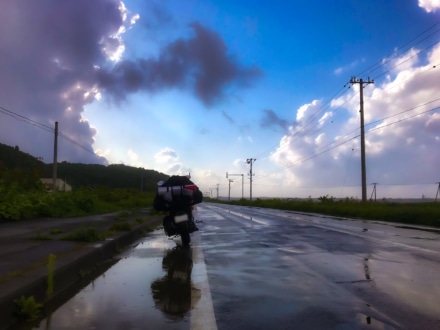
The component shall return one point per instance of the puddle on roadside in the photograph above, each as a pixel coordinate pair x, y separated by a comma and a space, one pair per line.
174, 293
149, 286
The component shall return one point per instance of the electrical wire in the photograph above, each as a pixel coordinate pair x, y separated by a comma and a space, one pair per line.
43, 127
332, 146
310, 120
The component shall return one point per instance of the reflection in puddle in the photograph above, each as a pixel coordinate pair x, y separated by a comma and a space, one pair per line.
373, 323
172, 293
367, 269
122, 298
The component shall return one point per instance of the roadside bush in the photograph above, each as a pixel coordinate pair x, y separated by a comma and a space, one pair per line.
28, 308
88, 235
17, 205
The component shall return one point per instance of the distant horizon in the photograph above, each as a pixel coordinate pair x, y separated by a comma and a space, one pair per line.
429, 190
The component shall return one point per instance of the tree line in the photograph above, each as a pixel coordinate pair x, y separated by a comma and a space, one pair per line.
26, 170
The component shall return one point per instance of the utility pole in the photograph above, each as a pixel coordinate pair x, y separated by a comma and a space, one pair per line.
250, 161
142, 180
217, 190
55, 151
361, 83
438, 190
229, 194
374, 191
242, 182
210, 191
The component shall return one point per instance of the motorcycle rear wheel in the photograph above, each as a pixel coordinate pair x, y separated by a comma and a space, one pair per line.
184, 235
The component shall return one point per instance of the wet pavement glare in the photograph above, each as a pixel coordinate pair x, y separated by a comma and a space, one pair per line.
267, 269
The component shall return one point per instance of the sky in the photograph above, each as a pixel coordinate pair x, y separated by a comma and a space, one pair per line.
208, 87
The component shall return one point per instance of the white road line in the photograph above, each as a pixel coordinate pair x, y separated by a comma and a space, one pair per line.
202, 313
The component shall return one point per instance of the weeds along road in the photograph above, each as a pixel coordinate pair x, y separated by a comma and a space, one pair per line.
251, 268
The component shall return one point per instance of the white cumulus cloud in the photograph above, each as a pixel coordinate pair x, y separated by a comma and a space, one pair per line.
429, 5
402, 124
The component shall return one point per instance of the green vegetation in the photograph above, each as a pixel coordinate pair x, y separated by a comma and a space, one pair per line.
28, 308
138, 221
38, 236
17, 205
88, 235
427, 214
121, 226
83, 273
55, 231
50, 274
96, 188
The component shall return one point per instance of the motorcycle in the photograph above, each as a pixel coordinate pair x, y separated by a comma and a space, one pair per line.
176, 197
180, 222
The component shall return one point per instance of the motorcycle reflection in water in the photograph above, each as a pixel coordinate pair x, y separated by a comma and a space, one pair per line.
174, 294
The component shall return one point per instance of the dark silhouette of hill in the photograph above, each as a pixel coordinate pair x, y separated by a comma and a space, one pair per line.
12, 158
82, 175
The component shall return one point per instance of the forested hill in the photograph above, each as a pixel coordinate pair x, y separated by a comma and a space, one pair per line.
81, 175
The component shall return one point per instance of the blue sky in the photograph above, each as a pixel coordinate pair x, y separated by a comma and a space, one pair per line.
200, 86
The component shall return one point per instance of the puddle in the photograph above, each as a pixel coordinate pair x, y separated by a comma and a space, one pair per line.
149, 287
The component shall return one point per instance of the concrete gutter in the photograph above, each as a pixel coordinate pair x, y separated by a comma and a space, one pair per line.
75, 266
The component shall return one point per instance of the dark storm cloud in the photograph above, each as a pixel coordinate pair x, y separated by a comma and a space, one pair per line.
201, 63
55, 58
271, 119
48, 50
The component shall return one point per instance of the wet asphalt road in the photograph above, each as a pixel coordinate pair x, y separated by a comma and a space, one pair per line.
251, 268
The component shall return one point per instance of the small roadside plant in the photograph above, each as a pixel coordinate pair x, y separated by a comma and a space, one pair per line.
123, 214
50, 272
55, 231
27, 308
38, 236
138, 221
88, 235
83, 273
121, 226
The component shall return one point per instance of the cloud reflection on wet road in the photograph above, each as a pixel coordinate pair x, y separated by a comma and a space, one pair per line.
267, 269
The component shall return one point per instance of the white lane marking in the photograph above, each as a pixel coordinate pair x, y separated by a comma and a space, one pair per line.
202, 313
346, 230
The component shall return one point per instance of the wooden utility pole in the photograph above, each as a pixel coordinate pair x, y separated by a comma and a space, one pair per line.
361, 83
229, 194
374, 191
250, 161
242, 182
55, 151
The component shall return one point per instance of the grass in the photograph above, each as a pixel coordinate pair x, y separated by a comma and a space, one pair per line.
121, 226
138, 221
27, 308
88, 235
38, 236
426, 214
50, 274
10, 276
55, 231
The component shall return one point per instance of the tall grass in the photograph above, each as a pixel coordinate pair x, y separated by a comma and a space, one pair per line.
427, 214
18, 205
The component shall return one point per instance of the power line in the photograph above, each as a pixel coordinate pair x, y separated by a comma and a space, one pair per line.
381, 63
399, 50
26, 119
43, 127
302, 160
